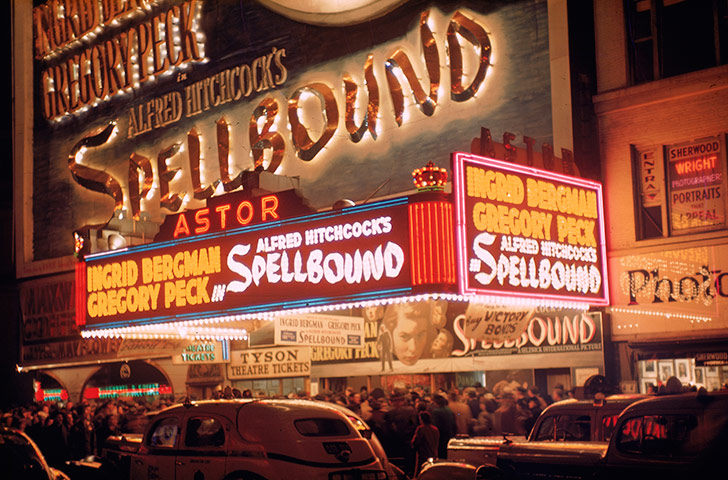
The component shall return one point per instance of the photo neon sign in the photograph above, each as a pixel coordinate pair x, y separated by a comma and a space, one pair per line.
524, 232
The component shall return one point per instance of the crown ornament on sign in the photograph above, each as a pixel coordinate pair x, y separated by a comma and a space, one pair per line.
430, 178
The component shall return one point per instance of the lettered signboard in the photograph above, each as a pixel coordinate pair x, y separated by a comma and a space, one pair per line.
524, 232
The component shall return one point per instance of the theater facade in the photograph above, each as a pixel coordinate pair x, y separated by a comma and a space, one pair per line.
213, 194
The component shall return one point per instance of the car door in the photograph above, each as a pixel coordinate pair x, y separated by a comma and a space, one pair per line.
203, 452
155, 458
663, 445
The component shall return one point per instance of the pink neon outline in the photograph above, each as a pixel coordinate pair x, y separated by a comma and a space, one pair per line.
464, 286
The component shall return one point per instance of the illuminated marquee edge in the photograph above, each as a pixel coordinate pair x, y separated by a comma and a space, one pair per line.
460, 235
203, 330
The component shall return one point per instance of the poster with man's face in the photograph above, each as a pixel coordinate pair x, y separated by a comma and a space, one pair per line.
421, 334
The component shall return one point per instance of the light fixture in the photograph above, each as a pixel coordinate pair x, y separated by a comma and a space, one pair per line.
430, 178
116, 241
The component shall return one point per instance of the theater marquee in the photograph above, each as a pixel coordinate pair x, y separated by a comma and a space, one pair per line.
385, 249
527, 232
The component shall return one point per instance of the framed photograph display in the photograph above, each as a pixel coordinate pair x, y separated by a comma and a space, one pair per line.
649, 368
700, 375
683, 370
646, 383
712, 384
666, 369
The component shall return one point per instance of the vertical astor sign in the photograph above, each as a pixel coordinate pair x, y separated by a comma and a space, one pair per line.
525, 232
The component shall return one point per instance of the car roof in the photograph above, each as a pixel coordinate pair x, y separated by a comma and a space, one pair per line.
677, 402
615, 403
12, 432
233, 405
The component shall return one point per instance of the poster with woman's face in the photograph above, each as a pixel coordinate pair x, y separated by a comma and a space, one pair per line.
411, 330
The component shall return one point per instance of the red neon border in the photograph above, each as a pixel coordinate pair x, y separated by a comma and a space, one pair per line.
464, 286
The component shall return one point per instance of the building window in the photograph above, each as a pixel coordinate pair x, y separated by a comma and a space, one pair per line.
672, 37
272, 387
681, 188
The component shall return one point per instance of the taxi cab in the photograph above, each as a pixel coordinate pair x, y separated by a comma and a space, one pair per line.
262, 439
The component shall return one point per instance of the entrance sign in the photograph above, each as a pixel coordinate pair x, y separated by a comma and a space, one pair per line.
145, 109
528, 233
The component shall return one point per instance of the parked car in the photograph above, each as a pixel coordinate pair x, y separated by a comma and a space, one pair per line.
261, 439
393, 471
569, 420
666, 437
21, 458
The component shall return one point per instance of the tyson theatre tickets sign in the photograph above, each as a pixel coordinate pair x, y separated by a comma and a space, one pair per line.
525, 232
359, 253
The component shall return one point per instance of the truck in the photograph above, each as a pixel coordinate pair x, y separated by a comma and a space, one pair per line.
665, 436
249, 439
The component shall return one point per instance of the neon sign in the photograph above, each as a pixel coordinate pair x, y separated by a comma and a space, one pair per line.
272, 127
51, 395
696, 185
327, 258
231, 211
116, 391
139, 54
528, 233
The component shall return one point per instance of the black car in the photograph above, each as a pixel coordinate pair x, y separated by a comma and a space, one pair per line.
21, 458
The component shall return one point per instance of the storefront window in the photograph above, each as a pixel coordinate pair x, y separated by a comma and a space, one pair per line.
272, 387
655, 373
680, 187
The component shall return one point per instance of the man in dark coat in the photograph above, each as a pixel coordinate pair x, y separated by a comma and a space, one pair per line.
82, 437
444, 419
425, 440
401, 421
384, 346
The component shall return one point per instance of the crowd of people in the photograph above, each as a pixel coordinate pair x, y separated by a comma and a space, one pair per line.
412, 424
415, 424
67, 431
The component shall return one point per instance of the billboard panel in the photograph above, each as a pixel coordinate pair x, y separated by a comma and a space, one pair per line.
143, 109
525, 232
